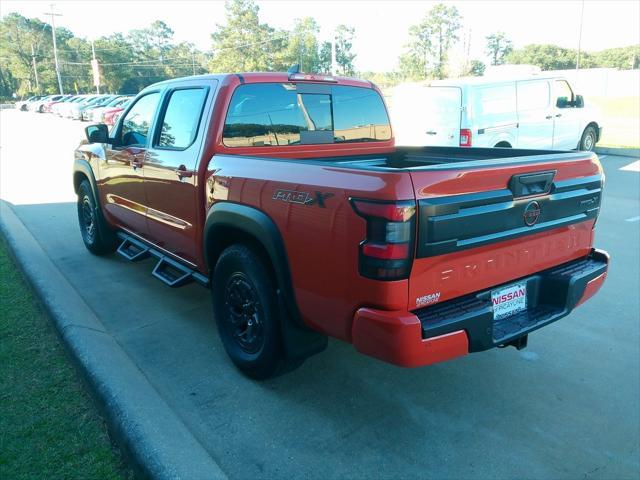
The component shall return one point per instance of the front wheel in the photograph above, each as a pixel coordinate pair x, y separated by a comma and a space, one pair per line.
588, 140
246, 311
96, 234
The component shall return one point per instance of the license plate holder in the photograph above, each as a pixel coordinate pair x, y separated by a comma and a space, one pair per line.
509, 300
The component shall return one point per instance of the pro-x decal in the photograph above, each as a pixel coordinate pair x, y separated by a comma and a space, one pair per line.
303, 198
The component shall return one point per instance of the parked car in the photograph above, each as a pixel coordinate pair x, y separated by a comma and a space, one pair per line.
23, 105
285, 194
94, 111
75, 112
49, 105
110, 116
61, 108
525, 112
38, 105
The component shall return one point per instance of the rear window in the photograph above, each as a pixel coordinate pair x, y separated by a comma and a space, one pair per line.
275, 114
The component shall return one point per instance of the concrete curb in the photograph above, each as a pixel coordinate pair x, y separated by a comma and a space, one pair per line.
147, 430
625, 152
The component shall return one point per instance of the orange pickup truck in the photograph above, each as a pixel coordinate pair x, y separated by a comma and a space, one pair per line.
285, 195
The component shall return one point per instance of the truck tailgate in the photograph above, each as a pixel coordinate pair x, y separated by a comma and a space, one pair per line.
482, 224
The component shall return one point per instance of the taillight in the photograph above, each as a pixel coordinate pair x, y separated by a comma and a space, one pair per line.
387, 251
465, 137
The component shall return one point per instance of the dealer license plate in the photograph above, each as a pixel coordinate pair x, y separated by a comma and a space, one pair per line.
509, 300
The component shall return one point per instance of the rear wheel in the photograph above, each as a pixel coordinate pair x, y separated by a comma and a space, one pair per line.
502, 145
96, 234
246, 311
589, 138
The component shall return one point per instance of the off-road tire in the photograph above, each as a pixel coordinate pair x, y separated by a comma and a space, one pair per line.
96, 234
245, 307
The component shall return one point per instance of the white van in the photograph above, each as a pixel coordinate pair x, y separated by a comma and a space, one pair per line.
534, 112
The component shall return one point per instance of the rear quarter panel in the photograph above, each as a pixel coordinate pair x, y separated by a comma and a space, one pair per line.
321, 242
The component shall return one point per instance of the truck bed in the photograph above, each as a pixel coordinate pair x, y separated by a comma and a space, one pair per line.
411, 158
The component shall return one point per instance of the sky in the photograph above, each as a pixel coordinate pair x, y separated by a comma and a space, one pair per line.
381, 25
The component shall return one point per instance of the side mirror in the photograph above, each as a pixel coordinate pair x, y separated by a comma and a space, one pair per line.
562, 102
579, 103
98, 133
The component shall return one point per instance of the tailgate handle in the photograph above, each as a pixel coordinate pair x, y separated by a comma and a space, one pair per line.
531, 183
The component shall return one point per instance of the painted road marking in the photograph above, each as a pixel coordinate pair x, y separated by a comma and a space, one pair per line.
632, 167
602, 156
633, 219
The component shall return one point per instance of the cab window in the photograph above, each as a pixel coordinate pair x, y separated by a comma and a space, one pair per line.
137, 121
564, 94
181, 118
276, 114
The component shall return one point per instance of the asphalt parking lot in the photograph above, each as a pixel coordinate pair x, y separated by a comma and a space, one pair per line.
566, 407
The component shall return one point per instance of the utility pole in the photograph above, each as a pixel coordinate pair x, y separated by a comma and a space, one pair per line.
35, 68
193, 61
579, 39
95, 68
55, 47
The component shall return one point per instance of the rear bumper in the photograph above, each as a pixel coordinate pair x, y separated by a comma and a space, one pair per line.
457, 327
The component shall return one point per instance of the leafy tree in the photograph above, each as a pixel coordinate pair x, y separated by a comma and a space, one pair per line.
243, 43
550, 57
623, 58
382, 79
476, 68
498, 47
8, 84
344, 56
344, 44
18, 34
302, 47
431, 40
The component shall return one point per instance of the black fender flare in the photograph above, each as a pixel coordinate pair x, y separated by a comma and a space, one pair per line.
299, 340
81, 166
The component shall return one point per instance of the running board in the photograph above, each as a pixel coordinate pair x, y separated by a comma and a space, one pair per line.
132, 249
169, 271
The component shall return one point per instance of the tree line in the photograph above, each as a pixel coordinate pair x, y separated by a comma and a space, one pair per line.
130, 61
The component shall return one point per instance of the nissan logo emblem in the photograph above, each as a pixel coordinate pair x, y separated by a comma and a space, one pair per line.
531, 213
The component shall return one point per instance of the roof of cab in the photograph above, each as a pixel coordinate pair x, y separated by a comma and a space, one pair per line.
265, 77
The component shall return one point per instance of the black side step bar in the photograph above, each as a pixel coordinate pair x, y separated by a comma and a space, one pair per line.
167, 270
132, 249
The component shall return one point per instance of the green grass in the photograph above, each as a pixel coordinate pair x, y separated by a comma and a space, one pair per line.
621, 121
49, 427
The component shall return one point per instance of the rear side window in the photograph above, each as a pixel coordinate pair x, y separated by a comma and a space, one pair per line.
275, 114
533, 95
181, 118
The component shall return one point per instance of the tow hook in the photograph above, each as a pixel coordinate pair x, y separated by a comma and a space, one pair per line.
519, 343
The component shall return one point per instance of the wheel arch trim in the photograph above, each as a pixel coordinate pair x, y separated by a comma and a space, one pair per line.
258, 225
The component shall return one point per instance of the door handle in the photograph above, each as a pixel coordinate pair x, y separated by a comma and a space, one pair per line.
431, 132
182, 172
558, 115
549, 117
